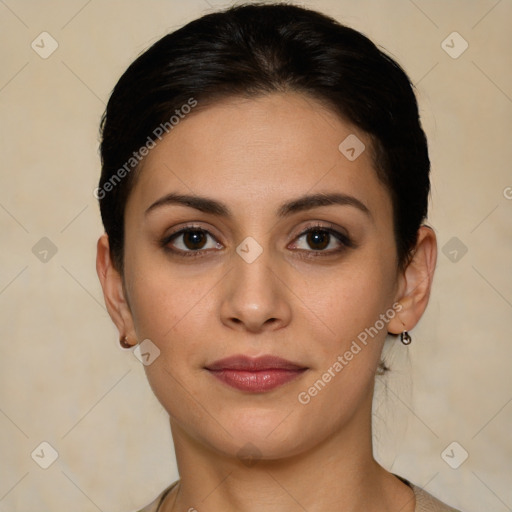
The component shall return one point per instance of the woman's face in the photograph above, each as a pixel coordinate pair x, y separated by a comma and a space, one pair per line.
248, 281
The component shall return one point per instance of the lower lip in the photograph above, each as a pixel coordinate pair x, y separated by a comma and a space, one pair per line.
256, 381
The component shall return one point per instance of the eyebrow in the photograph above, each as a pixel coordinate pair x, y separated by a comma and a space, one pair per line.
303, 203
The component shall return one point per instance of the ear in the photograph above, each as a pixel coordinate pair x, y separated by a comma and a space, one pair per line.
113, 291
415, 282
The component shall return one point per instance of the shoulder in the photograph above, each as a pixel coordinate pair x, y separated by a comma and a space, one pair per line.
425, 502
153, 506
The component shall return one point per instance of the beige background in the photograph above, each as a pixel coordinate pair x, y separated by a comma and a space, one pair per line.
63, 378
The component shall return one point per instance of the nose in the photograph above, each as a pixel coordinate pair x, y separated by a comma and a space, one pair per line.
255, 297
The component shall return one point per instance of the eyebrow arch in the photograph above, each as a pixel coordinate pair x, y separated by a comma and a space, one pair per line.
306, 202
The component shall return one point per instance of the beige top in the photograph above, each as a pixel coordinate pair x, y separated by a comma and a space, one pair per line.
424, 501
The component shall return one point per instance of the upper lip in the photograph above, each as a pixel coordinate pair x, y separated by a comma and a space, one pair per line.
245, 363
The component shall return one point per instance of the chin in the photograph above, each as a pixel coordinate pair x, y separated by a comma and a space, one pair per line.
259, 435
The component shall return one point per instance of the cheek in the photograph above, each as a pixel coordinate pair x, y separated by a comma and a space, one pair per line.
172, 308
348, 355
349, 300
162, 305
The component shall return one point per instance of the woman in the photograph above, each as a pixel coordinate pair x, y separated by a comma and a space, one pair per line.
265, 180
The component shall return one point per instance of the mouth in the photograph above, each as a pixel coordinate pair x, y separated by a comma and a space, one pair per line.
255, 375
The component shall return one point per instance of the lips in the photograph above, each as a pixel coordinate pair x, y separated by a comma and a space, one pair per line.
258, 374
241, 362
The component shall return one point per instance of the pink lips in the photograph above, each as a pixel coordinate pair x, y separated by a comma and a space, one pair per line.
256, 375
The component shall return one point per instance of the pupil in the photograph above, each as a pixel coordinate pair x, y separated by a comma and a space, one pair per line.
194, 238
316, 237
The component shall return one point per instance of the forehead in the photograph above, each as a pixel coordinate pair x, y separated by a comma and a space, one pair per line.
259, 151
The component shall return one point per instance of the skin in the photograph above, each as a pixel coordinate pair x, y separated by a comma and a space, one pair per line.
253, 155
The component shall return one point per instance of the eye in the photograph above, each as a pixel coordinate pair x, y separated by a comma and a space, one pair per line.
193, 241
190, 241
324, 240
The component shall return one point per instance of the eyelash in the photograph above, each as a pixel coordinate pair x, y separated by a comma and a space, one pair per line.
342, 238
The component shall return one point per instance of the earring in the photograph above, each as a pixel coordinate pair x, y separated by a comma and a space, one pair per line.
405, 338
123, 341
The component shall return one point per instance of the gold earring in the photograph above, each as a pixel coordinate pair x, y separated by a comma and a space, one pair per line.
123, 341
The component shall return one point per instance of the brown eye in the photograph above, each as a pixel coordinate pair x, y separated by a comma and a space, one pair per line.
190, 242
318, 239
194, 240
